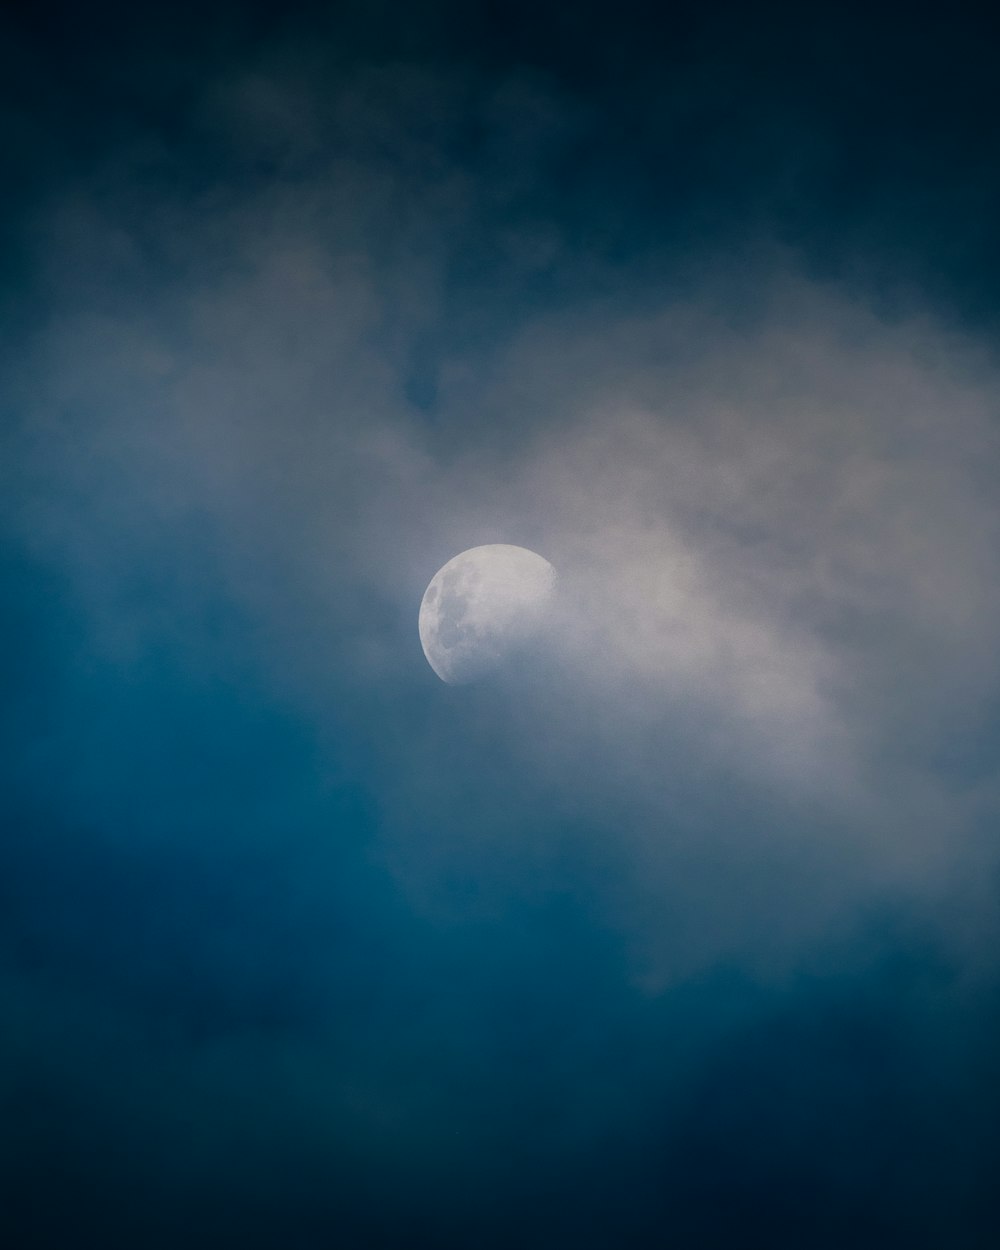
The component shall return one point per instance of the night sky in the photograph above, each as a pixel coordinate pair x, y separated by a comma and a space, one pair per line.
683, 931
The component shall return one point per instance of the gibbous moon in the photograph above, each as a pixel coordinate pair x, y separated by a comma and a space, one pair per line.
481, 607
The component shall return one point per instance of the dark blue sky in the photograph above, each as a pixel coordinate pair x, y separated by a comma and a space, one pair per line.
684, 934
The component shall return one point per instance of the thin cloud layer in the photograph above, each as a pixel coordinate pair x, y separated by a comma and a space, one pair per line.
771, 510
726, 831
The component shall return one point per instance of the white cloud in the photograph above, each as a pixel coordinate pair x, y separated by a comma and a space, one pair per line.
774, 513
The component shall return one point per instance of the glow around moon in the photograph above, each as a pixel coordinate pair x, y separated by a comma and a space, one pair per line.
482, 607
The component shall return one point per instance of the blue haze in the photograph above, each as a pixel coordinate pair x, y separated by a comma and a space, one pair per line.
683, 934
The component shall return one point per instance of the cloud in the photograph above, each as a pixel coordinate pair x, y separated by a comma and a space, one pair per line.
714, 869
771, 507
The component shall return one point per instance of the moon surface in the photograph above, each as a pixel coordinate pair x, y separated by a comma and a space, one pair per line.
482, 607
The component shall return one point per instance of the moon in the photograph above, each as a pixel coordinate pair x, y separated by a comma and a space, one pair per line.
482, 607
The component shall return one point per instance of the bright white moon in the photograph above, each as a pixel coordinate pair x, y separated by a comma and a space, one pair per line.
481, 607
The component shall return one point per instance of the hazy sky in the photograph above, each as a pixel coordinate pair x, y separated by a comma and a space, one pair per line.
687, 934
